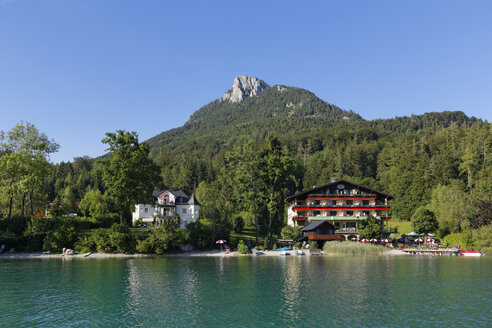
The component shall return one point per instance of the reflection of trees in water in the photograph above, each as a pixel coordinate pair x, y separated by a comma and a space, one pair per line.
165, 288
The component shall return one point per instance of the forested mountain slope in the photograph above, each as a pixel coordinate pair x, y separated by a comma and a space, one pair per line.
279, 109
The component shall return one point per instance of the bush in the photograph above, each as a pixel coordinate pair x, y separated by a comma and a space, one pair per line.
64, 236
37, 229
370, 228
424, 221
117, 239
162, 240
12, 240
144, 246
200, 234
482, 238
137, 222
464, 239
313, 245
265, 244
290, 233
85, 245
101, 240
298, 245
14, 225
275, 246
241, 248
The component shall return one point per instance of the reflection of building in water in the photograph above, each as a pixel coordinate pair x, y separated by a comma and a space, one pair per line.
162, 286
134, 287
294, 276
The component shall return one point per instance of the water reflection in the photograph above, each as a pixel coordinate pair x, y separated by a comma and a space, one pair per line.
247, 292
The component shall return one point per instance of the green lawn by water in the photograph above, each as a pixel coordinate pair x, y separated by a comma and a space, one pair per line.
404, 227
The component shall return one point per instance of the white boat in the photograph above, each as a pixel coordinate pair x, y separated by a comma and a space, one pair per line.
284, 253
469, 252
299, 252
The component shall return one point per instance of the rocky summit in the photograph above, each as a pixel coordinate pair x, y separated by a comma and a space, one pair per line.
244, 86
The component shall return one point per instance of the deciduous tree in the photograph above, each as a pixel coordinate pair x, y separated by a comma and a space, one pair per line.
130, 175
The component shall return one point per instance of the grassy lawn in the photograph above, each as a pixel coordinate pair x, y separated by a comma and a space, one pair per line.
403, 226
248, 234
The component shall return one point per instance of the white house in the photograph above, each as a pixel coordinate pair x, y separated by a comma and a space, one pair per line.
169, 204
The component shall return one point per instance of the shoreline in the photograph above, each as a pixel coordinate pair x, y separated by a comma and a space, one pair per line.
213, 253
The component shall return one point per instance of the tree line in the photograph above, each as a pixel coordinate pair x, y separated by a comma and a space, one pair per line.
433, 163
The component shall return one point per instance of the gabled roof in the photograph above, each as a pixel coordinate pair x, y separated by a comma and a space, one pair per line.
193, 200
178, 193
314, 225
364, 188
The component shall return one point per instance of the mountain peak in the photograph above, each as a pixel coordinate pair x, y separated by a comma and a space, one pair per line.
244, 86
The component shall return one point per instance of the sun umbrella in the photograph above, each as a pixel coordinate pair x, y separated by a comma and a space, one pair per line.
430, 240
353, 238
373, 240
364, 240
220, 241
418, 240
385, 241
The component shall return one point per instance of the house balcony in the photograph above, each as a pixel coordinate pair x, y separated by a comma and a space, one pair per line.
299, 218
341, 218
167, 204
340, 207
326, 237
342, 196
347, 231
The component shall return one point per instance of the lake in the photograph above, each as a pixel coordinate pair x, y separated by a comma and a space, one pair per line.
398, 291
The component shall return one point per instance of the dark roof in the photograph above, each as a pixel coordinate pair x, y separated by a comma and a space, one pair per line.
178, 193
315, 225
310, 191
193, 200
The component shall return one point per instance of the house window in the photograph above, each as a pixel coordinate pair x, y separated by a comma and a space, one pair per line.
349, 213
183, 211
366, 213
333, 213
349, 202
365, 202
333, 202
316, 202
146, 210
316, 213
350, 225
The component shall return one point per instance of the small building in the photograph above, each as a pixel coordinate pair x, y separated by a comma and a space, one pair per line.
320, 232
168, 204
341, 203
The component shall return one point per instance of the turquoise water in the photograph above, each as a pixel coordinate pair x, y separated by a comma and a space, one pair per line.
247, 292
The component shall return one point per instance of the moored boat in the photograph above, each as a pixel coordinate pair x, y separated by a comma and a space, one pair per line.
469, 252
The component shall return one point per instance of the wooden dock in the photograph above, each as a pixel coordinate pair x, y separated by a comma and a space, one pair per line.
430, 251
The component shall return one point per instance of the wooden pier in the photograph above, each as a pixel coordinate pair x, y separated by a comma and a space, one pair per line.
430, 251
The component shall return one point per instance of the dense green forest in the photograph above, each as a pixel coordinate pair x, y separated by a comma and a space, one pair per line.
242, 160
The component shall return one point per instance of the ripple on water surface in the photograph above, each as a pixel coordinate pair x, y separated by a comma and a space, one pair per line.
246, 292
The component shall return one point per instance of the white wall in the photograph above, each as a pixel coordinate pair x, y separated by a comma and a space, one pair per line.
144, 212
187, 213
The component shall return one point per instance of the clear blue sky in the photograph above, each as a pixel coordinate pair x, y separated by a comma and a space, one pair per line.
78, 69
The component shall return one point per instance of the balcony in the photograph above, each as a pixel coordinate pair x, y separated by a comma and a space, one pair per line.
347, 230
339, 218
326, 237
341, 207
350, 196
